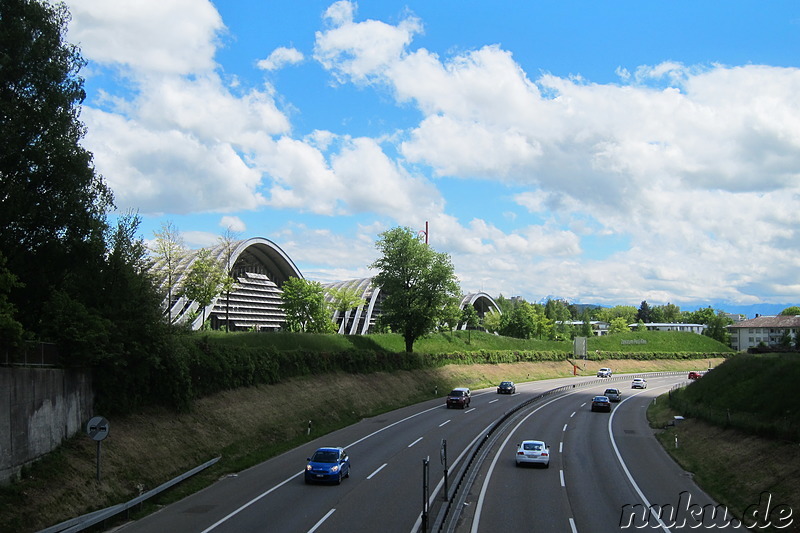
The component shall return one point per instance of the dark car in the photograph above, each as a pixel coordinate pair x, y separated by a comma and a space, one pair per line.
506, 387
459, 397
328, 464
601, 403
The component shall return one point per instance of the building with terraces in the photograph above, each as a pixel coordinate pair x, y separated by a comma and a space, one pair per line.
260, 268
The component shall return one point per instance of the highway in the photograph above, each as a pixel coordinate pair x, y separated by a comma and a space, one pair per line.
606, 470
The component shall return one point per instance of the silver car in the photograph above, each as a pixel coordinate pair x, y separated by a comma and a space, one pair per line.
534, 452
639, 383
614, 395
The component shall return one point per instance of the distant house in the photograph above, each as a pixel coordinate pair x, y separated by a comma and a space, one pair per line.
670, 326
599, 328
769, 330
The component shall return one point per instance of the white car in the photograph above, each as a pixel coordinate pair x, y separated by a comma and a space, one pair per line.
533, 452
604, 373
639, 383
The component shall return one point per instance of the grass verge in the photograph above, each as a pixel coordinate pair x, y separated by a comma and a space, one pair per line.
733, 467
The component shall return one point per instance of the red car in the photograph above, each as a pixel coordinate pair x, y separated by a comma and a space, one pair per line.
695, 375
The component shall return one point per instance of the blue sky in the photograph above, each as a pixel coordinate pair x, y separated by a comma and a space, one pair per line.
602, 152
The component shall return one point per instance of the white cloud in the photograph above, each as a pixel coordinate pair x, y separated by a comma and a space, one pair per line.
280, 57
175, 37
234, 224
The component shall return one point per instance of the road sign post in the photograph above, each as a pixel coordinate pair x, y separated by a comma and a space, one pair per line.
97, 428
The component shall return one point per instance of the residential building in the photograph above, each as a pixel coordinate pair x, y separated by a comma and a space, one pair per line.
763, 330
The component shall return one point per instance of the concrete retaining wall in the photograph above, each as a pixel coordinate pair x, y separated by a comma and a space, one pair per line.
39, 408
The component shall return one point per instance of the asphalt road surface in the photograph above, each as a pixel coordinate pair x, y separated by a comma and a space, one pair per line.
607, 471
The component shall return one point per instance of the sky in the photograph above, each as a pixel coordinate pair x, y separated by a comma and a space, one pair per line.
601, 152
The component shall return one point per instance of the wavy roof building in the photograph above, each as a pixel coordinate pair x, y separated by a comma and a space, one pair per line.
260, 268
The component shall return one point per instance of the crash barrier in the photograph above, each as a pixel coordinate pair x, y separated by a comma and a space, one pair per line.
82, 522
450, 512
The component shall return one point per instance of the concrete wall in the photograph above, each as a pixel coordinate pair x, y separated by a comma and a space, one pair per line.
39, 408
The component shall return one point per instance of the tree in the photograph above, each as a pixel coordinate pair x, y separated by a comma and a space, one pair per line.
644, 313
618, 325
52, 204
791, 311
492, 321
228, 240
205, 280
450, 314
169, 251
627, 312
417, 282
305, 307
10, 328
343, 299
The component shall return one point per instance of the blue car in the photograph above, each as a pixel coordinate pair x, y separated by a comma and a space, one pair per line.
328, 464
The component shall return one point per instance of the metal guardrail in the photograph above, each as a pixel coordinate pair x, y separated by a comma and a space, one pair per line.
450, 512
82, 522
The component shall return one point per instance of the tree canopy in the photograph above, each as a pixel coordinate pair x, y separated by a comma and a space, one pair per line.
417, 282
305, 307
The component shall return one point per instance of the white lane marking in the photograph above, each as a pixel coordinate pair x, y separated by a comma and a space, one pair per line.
561, 447
378, 470
625, 467
479, 506
561, 475
416, 441
573, 414
444, 423
572, 526
285, 481
564, 428
470, 410
495, 400
321, 520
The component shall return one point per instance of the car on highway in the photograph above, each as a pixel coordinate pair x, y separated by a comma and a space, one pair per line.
694, 374
506, 387
604, 373
601, 403
459, 397
639, 383
613, 395
533, 452
329, 463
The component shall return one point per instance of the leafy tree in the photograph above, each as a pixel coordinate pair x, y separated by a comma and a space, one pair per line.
640, 326
418, 283
644, 313
469, 316
627, 312
228, 240
492, 322
169, 250
10, 329
618, 325
450, 315
52, 204
305, 307
717, 327
527, 321
343, 299
205, 280
791, 311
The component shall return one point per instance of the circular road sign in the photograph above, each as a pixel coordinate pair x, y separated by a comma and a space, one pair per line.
97, 428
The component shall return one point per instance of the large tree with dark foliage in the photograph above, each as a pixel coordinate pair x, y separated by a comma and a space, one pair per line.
418, 283
71, 277
52, 204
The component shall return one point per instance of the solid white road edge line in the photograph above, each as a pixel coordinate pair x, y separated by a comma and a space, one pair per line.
625, 467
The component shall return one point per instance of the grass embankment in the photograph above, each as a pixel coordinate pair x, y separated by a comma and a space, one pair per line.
248, 425
741, 433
